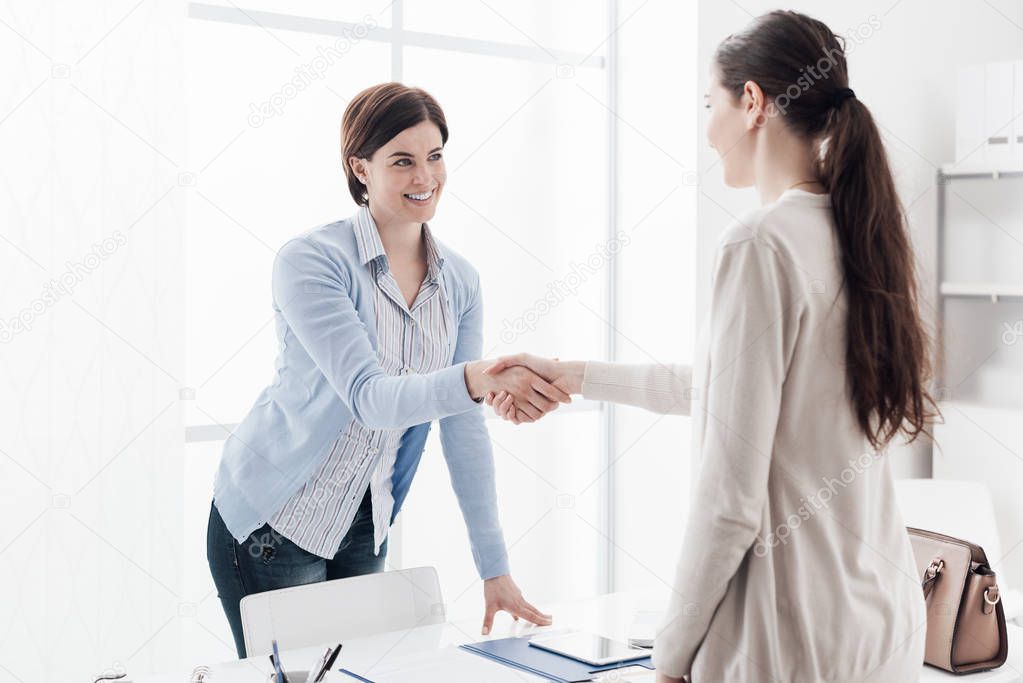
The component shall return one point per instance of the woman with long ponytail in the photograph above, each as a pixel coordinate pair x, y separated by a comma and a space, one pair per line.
795, 563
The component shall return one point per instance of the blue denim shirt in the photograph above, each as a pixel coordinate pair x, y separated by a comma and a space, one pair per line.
327, 374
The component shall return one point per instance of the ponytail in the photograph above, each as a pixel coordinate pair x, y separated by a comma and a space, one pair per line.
886, 344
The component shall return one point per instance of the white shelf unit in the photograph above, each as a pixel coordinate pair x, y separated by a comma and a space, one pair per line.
975, 171
991, 291
981, 290
975, 292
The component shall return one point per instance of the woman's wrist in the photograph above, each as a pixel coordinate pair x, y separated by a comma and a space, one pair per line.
476, 383
571, 373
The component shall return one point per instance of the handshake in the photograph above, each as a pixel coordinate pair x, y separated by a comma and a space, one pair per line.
523, 387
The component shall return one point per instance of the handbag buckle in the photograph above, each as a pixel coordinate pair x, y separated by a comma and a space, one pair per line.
988, 600
931, 575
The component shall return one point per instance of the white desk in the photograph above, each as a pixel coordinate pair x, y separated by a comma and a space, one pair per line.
430, 649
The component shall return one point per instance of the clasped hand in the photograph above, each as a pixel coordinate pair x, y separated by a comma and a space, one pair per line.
525, 391
528, 387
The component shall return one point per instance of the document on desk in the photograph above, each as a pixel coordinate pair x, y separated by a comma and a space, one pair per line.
448, 664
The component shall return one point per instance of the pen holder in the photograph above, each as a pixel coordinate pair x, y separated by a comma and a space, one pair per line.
291, 676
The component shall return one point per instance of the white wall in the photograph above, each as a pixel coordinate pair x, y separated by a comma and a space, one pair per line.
903, 68
90, 449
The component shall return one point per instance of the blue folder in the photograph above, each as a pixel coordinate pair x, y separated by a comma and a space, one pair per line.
518, 654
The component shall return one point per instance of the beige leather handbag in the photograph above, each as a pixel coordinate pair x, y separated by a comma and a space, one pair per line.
965, 620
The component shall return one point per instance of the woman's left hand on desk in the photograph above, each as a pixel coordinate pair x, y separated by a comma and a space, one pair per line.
501, 593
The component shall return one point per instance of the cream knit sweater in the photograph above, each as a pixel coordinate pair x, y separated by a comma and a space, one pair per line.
795, 563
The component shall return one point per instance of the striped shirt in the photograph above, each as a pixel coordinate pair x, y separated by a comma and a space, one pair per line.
409, 340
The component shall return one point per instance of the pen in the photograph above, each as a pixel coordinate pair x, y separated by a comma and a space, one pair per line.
314, 672
330, 663
276, 658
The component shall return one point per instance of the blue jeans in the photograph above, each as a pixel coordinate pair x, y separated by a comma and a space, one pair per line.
267, 561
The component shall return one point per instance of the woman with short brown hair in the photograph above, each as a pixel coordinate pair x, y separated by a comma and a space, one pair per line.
380, 332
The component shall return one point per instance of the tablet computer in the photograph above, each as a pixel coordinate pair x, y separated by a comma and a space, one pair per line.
586, 647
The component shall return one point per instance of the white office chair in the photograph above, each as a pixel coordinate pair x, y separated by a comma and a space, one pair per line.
963, 509
331, 611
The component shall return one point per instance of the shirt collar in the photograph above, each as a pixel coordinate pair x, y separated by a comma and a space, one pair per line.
434, 259
367, 238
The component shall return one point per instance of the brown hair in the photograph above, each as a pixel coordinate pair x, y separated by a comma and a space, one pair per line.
800, 65
375, 116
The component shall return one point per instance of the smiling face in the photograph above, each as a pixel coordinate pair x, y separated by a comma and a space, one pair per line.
730, 131
404, 178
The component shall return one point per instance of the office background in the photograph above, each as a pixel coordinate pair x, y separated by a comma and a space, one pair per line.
158, 153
